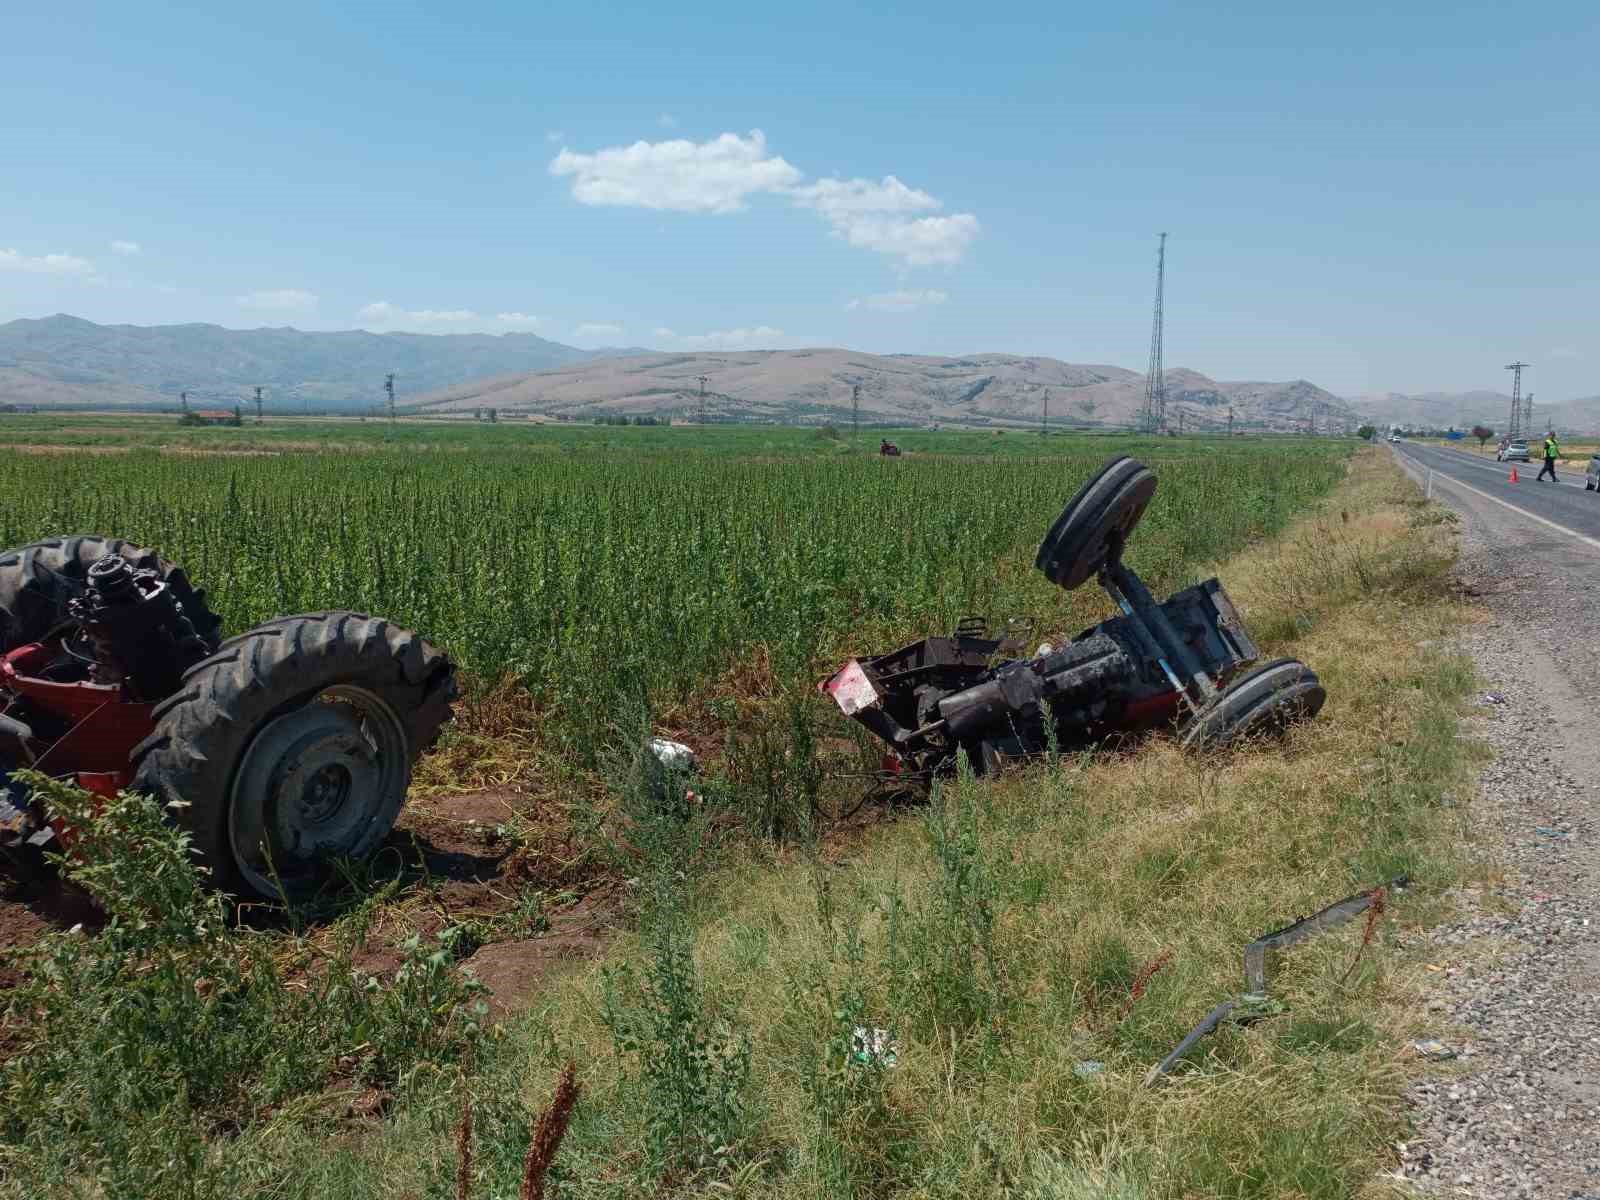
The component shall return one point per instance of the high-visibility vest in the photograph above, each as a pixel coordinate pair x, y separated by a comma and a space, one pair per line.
1550, 447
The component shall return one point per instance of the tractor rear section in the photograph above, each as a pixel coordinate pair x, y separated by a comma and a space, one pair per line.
280, 750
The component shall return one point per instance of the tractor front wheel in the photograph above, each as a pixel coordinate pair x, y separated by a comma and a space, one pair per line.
293, 745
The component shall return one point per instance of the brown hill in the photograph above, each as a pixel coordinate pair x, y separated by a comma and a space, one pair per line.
816, 384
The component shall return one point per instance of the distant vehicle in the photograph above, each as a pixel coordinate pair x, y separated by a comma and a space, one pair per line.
1516, 451
1591, 476
1394, 437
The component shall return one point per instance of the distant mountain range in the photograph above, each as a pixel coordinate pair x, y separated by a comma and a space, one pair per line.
1463, 410
63, 360
816, 384
66, 361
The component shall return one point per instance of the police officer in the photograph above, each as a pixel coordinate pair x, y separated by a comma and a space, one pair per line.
1551, 449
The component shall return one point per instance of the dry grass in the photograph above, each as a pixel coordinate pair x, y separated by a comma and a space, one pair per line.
1010, 937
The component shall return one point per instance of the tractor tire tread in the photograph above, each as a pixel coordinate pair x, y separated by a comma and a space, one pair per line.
202, 733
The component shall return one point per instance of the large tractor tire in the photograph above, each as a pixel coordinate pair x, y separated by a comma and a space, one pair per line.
293, 744
37, 580
1096, 522
1265, 703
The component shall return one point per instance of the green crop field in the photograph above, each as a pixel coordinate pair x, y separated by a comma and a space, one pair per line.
586, 578
591, 562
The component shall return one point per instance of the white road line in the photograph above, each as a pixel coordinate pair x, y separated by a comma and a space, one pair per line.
1521, 512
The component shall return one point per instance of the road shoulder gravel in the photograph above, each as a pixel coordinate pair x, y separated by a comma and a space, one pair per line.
1515, 1108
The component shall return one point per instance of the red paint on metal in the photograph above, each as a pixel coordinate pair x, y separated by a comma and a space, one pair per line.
1156, 708
64, 699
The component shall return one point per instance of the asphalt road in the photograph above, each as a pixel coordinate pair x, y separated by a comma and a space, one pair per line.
1514, 977
1565, 503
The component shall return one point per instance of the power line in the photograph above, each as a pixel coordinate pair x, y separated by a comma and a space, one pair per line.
1155, 390
702, 379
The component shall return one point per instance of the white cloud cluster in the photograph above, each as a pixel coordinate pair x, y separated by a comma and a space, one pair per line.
900, 301
719, 176
279, 300
678, 175
516, 318
126, 249
590, 330
45, 264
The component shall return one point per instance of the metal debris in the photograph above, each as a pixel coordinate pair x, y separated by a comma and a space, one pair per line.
1256, 1003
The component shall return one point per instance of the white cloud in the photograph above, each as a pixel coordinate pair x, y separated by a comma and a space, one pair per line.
661, 331
388, 315
880, 217
901, 301
280, 300
678, 175
719, 176
126, 249
667, 121
45, 264
516, 318
840, 199
762, 337
555, 136
597, 329
925, 242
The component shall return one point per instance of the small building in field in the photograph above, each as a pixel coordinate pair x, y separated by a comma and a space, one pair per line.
209, 416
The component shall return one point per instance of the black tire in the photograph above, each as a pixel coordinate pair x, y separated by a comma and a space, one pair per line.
37, 580
1102, 515
241, 742
1588, 485
1264, 703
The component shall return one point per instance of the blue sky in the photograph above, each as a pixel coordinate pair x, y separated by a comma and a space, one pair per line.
1373, 197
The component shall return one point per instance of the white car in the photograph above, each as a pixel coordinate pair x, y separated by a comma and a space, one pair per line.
1516, 451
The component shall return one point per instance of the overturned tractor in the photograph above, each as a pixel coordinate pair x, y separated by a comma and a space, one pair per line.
280, 750
1183, 662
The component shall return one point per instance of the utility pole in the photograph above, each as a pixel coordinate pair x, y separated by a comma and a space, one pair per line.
1230, 420
1516, 398
1181, 415
1528, 412
1045, 426
388, 386
855, 410
258, 404
1155, 390
183, 399
702, 379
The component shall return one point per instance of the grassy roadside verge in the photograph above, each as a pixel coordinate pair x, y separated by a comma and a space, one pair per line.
1004, 939
1008, 938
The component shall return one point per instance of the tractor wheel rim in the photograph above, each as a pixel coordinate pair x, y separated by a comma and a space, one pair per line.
325, 779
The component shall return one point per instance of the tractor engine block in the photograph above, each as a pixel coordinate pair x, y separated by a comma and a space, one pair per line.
137, 628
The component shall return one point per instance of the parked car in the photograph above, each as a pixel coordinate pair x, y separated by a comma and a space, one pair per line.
1591, 475
1516, 451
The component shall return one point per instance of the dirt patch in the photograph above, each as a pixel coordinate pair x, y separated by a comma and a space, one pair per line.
33, 903
514, 971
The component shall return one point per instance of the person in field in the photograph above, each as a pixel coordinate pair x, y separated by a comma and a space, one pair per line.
1551, 451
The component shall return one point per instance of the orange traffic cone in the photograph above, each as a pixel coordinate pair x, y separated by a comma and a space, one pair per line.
1513, 475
